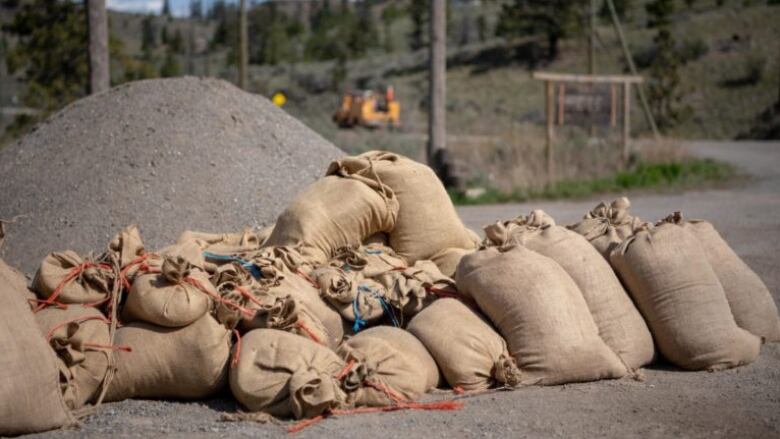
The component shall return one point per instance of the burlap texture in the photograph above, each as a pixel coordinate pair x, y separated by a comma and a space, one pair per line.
30, 395
680, 297
187, 363
390, 365
285, 375
427, 221
541, 314
469, 352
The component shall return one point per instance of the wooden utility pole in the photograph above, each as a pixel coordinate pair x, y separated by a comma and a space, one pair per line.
243, 47
437, 122
97, 25
592, 39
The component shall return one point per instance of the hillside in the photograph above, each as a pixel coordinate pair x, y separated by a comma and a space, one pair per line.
495, 109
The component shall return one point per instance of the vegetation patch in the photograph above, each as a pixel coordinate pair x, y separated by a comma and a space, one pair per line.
653, 176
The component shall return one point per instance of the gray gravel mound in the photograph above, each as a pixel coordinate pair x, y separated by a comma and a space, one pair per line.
168, 155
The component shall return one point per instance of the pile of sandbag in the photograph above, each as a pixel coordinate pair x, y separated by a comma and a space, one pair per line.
367, 293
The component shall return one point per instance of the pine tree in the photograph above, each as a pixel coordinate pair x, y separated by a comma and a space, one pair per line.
555, 19
148, 38
418, 12
51, 37
664, 91
166, 8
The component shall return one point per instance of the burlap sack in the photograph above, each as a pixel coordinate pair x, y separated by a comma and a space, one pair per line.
678, 293
390, 365
189, 251
176, 297
332, 213
287, 313
188, 363
67, 278
286, 375
412, 289
30, 395
619, 322
356, 298
470, 354
750, 301
80, 337
427, 220
127, 245
541, 313
277, 298
370, 260
606, 226
306, 295
448, 259
223, 243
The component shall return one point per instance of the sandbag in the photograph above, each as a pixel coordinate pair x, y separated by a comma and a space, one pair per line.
307, 296
187, 363
390, 366
223, 243
277, 298
412, 289
750, 301
80, 337
606, 226
30, 395
286, 375
447, 260
370, 260
127, 245
67, 278
682, 300
541, 314
176, 297
334, 212
356, 298
427, 221
469, 352
619, 322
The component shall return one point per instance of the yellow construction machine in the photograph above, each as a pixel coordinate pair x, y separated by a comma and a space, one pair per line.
369, 109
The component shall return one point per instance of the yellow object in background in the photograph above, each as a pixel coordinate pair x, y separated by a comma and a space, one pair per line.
279, 99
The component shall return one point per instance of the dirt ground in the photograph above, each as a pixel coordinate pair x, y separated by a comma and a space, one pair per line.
743, 402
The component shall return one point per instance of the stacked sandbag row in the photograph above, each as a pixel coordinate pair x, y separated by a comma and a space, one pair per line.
169, 344
702, 303
619, 323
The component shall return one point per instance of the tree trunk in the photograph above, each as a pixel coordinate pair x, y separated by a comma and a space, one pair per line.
97, 23
437, 128
243, 47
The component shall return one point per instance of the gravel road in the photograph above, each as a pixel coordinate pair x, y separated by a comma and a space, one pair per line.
743, 402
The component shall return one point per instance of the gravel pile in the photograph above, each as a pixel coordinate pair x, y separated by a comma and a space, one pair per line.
168, 155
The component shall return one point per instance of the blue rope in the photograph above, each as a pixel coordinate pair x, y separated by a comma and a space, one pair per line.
359, 322
254, 269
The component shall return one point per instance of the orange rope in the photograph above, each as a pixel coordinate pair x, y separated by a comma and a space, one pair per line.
346, 370
237, 354
308, 278
438, 405
194, 282
80, 319
248, 295
72, 274
308, 332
